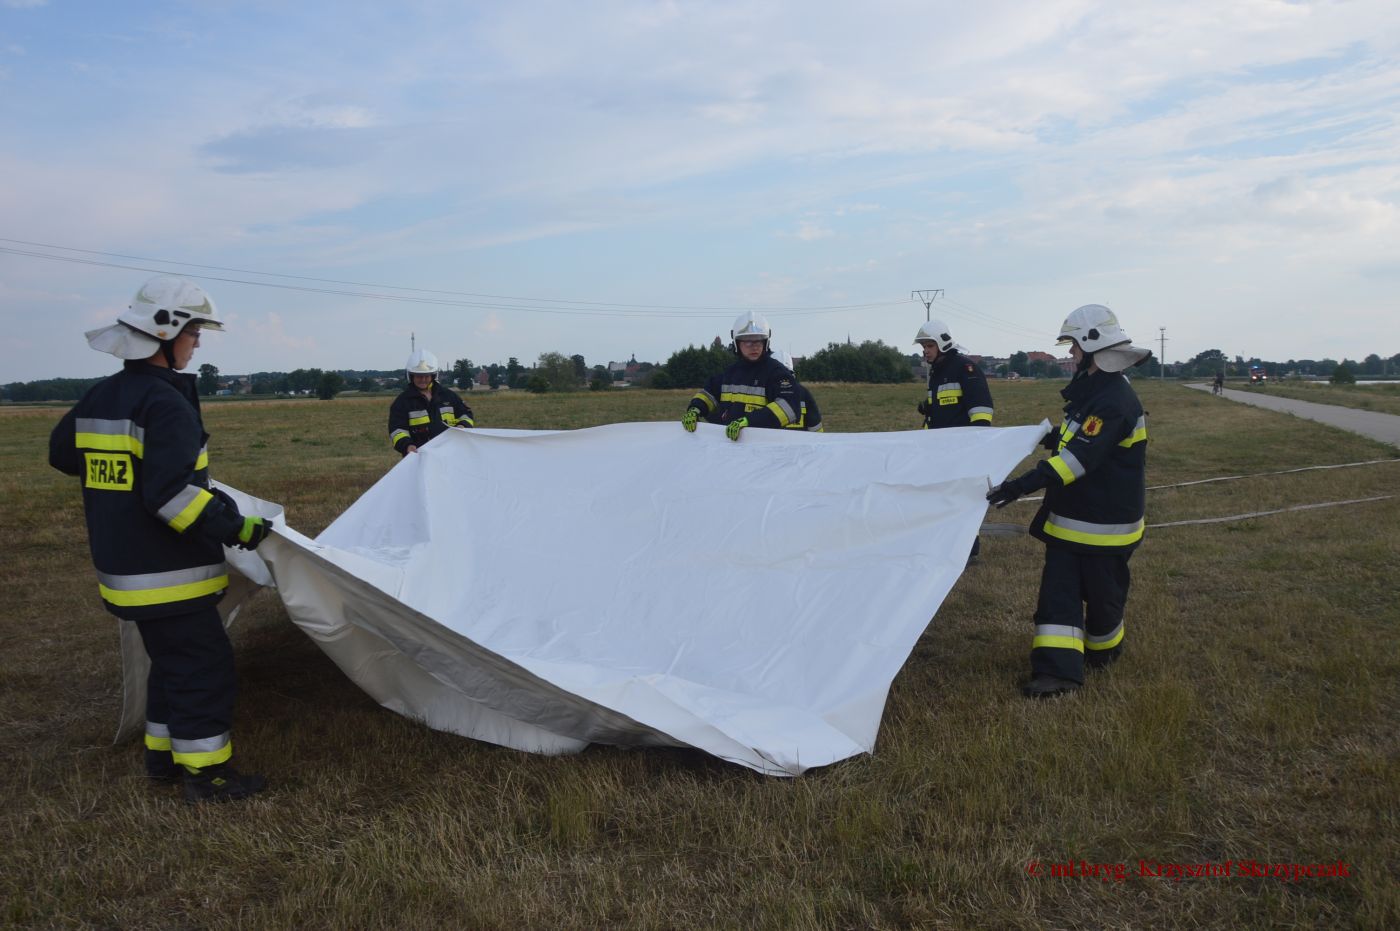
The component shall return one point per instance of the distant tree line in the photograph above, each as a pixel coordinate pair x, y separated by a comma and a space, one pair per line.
870, 361
1208, 363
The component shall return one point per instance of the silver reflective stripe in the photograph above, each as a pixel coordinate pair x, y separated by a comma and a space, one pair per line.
979, 410
1083, 526
1105, 638
157, 730
150, 580
787, 410
950, 386
201, 745
748, 391
1076, 467
1058, 630
110, 428
415, 414
445, 410
183, 499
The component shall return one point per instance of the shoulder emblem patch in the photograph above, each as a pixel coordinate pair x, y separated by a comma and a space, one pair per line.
1092, 426
971, 367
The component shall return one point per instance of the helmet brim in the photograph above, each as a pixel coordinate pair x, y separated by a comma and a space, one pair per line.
123, 341
1121, 357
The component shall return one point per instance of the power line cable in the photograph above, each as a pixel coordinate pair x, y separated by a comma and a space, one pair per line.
605, 307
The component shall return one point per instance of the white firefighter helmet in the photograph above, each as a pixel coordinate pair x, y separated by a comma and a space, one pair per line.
1095, 330
937, 332
422, 362
784, 358
751, 324
161, 309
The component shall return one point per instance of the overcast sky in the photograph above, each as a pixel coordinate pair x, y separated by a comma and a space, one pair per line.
619, 178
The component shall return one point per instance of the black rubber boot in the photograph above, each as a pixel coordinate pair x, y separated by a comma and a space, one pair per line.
221, 783
1102, 659
1045, 686
161, 767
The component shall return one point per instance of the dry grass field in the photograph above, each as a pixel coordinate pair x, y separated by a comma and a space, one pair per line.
1382, 398
1253, 720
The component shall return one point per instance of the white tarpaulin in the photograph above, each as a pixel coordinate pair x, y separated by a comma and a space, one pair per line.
635, 584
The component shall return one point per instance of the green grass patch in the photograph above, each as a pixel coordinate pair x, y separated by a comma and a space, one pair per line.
1383, 399
1253, 717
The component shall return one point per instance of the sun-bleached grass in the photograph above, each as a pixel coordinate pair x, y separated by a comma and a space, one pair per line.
1253, 717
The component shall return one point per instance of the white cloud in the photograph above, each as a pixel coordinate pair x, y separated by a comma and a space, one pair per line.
630, 151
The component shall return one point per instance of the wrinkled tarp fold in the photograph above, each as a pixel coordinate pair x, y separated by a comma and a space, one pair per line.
634, 584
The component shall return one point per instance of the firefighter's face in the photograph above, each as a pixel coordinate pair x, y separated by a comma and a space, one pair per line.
422, 382
751, 349
185, 344
930, 350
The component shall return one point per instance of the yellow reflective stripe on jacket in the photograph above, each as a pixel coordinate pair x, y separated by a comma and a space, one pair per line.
185, 507
417, 418
202, 460
949, 393
707, 399
1066, 465
397, 435
154, 588
979, 415
783, 411
1138, 435
750, 401
1082, 531
110, 435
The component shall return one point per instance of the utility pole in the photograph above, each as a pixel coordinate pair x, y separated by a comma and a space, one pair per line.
926, 297
1162, 359
412, 342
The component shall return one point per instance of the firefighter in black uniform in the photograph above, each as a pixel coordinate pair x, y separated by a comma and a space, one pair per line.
425, 408
756, 391
157, 531
809, 416
957, 390
1092, 517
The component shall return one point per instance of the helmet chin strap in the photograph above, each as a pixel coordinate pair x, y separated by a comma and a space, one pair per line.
1086, 359
167, 349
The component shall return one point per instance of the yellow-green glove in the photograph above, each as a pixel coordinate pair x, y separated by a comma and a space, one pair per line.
732, 431
253, 531
688, 419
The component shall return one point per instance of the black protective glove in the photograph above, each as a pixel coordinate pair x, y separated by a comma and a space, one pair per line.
1051, 440
926, 407
1013, 488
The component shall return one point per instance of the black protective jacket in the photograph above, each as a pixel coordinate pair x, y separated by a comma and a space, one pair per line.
414, 419
1096, 482
155, 528
764, 391
958, 395
809, 416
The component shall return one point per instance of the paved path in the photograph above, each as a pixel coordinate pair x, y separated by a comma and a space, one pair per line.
1383, 427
